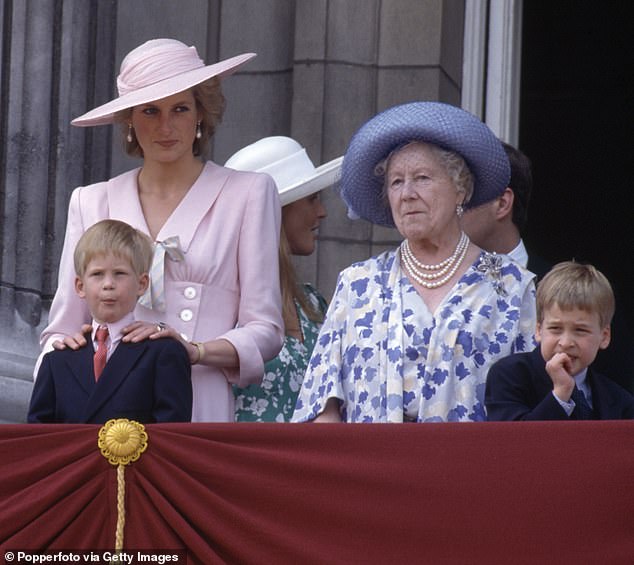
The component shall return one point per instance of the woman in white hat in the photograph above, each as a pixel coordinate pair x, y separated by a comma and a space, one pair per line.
409, 334
298, 183
214, 280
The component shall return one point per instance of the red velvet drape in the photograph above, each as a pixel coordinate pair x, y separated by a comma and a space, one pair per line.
538, 492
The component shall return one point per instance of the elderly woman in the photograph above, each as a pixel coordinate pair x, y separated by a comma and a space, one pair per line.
214, 278
409, 334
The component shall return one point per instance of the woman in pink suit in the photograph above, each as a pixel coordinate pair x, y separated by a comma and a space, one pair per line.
214, 280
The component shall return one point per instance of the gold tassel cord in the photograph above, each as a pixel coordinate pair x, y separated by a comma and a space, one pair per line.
121, 442
118, 538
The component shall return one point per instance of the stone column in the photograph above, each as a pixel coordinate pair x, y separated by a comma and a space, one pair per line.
48, 50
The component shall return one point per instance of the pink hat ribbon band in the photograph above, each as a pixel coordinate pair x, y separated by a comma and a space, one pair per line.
159, 63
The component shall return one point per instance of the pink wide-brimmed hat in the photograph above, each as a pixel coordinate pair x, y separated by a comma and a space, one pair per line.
156, 69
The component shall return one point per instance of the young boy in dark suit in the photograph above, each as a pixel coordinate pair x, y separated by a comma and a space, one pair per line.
575, 305
148, 381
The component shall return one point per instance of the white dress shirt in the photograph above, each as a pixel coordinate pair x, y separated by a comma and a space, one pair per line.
114, 333
519, 254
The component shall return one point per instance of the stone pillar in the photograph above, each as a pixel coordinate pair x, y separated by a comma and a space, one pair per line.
48, 48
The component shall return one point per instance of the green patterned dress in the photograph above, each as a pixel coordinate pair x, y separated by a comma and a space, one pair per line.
274, 399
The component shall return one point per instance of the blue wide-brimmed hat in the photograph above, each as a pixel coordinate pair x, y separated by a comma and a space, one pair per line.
441, 124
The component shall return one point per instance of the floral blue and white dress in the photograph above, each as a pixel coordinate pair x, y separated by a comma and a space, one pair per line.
274, 399
389, 359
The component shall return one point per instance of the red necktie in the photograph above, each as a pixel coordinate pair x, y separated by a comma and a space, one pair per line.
102, 350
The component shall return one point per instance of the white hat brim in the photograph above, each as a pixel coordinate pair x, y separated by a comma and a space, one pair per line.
105, 114
323, 177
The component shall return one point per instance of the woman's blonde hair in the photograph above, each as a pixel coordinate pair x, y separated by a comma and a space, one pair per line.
291, 290
210, 103
570, 285
118, 238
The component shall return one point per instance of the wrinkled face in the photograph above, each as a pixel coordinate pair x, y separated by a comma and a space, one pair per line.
110, 287
301, 220
166, 128
422, 196
575, 332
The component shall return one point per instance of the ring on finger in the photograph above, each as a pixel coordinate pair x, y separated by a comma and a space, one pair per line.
161, 326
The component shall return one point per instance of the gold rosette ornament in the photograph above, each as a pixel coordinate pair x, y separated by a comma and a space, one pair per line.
121, 442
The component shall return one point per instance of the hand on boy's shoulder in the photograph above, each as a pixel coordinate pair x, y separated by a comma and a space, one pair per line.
558, 368
74, 341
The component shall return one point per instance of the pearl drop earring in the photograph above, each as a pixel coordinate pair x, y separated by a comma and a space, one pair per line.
199, 133
129, 136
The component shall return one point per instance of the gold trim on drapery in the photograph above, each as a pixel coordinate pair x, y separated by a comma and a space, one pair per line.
121, 442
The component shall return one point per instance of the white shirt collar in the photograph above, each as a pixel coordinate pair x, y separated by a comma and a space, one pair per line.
519, 254
114, 328
581, 380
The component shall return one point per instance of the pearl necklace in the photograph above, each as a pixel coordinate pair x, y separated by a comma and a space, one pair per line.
441, 272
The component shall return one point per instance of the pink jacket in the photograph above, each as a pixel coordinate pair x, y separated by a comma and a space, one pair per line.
227, 286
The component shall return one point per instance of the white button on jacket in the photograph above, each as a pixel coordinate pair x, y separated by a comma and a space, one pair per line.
186, 315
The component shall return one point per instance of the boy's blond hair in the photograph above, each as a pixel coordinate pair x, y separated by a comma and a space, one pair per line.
570, 285
118, 238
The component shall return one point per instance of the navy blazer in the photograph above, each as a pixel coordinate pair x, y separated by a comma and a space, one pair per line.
519, 388
148, 381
